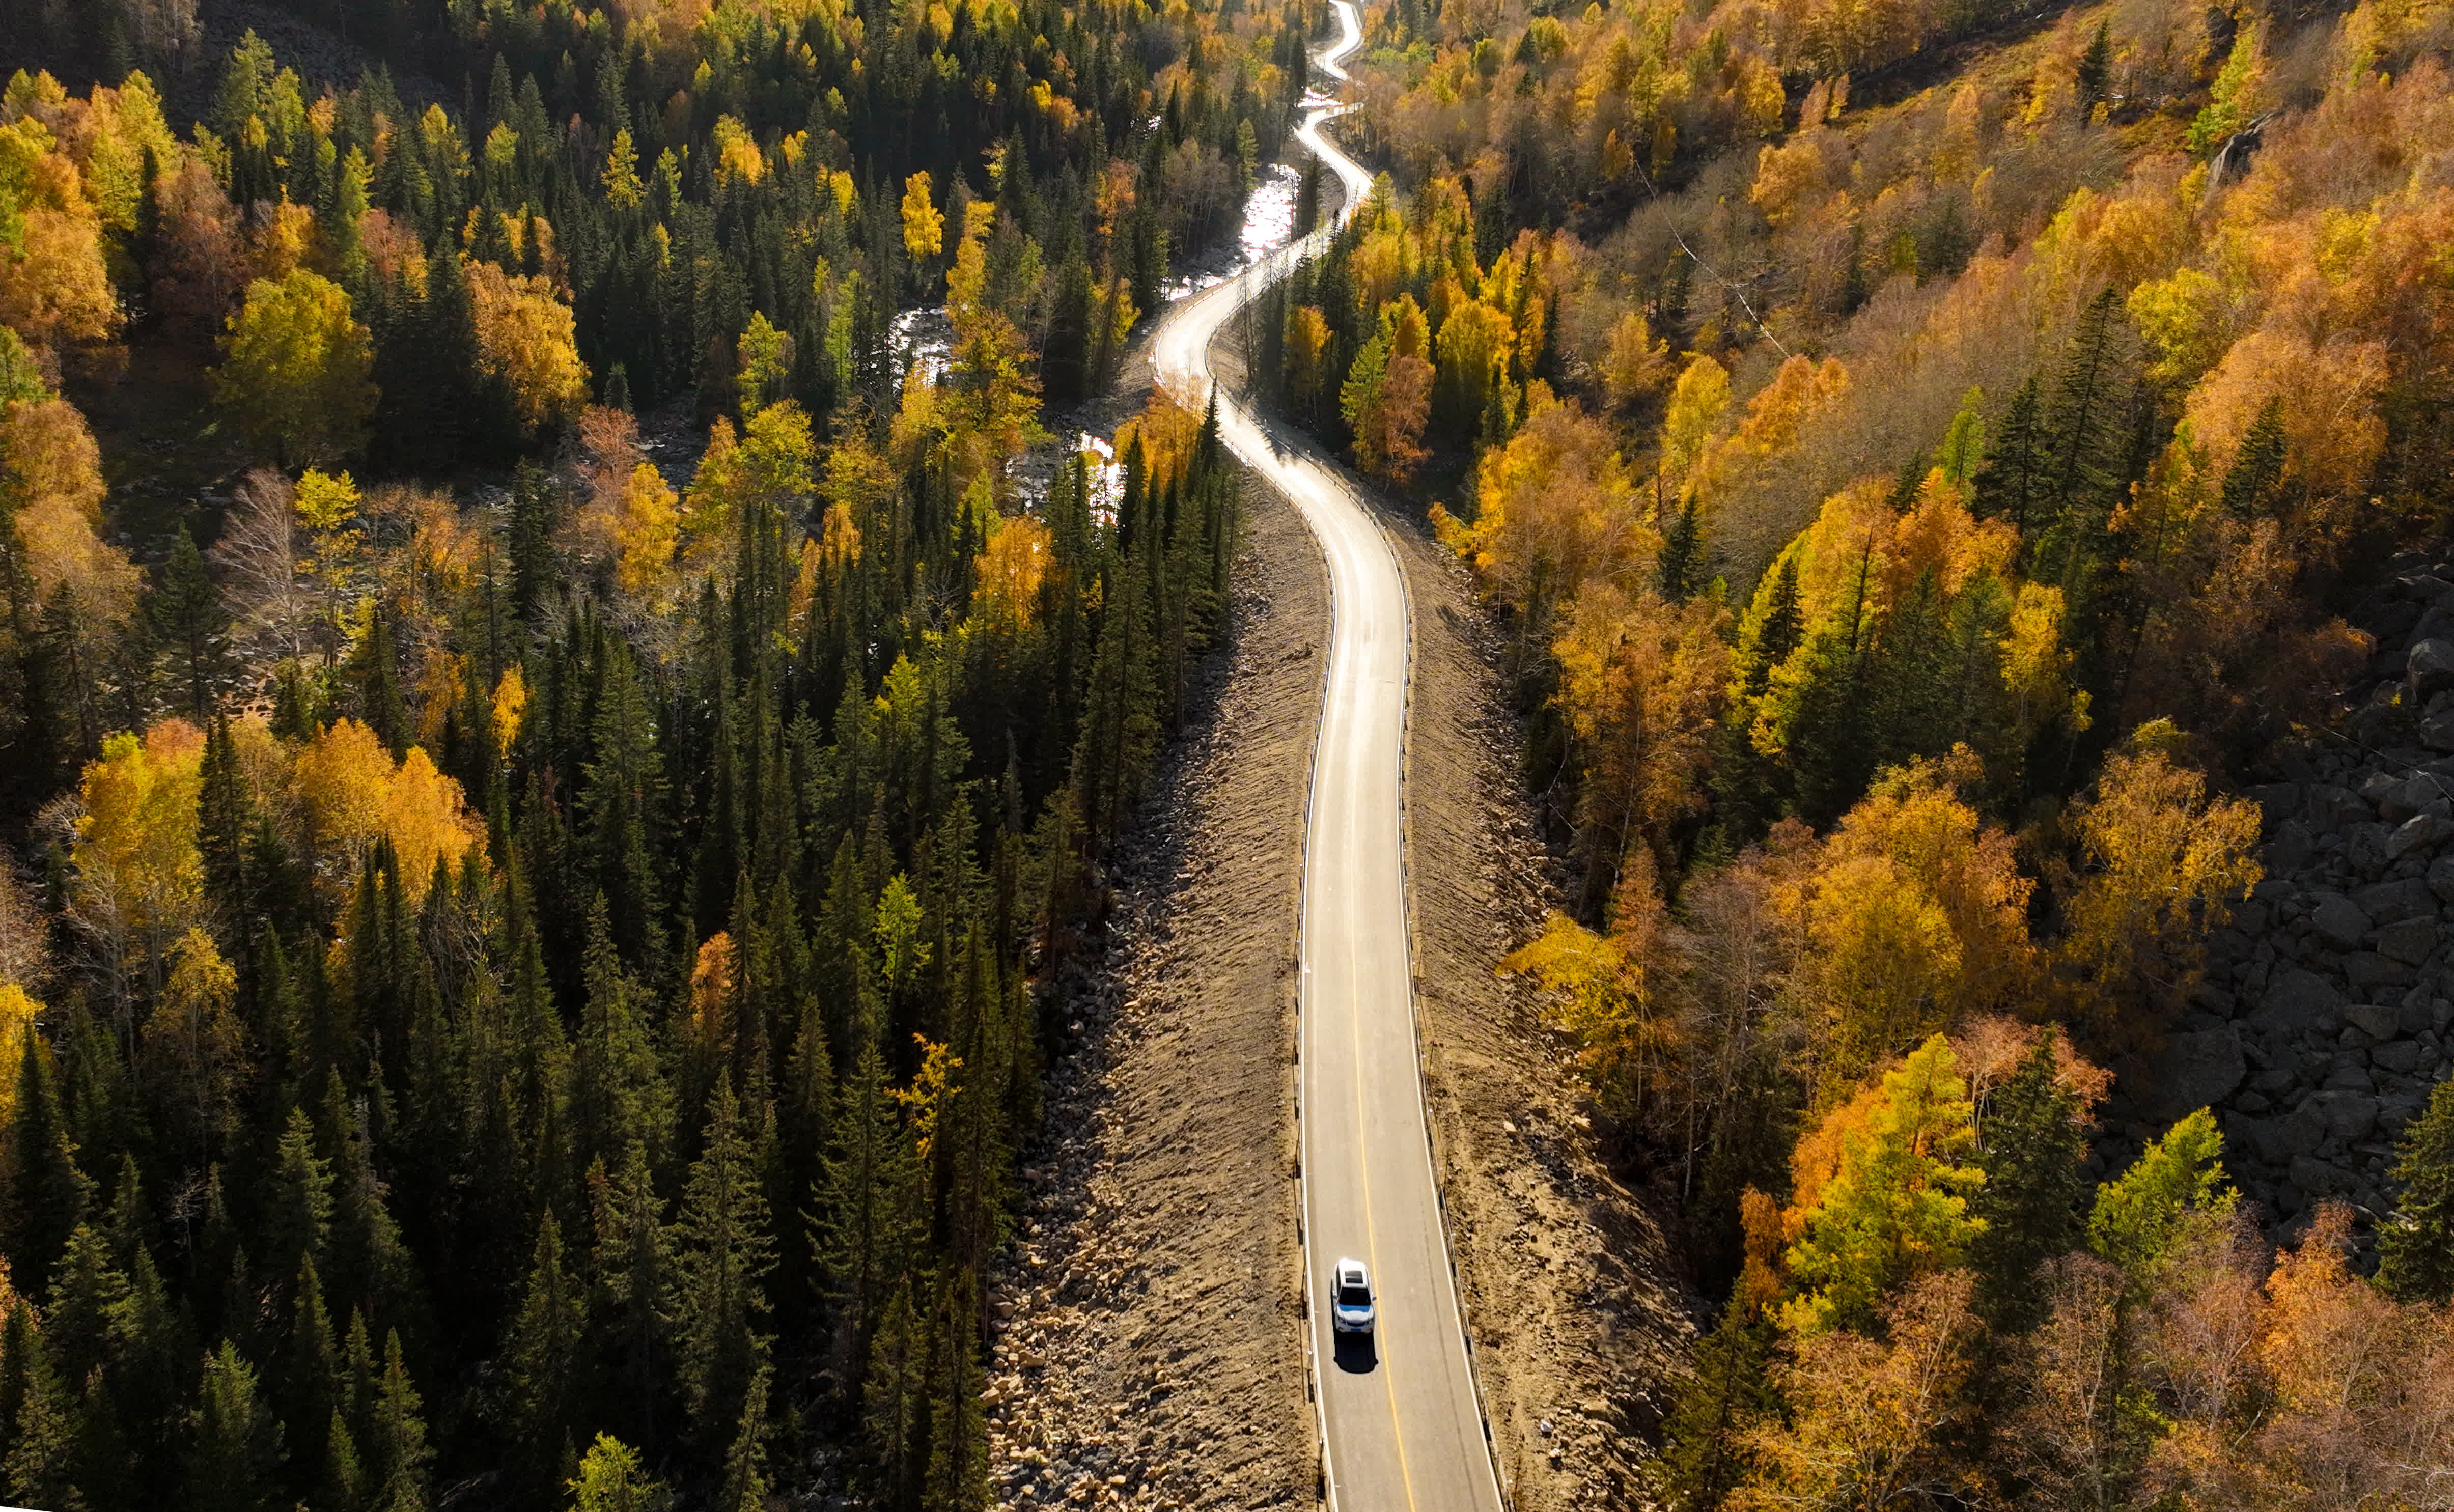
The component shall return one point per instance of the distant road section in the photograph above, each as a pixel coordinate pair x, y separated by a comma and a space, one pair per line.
1398, 1409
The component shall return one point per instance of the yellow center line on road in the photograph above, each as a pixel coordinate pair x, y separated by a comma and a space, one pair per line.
1363, 1166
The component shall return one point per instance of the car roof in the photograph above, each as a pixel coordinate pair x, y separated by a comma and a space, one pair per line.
1349, 1270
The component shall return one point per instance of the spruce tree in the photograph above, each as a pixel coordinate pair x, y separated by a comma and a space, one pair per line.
865, 1201
541, 1361
2095, 77
1682, 554
90, 1296
1915, 711
2087, 433
2013, 482
298, 1206
958, 1459
621, 802
1119, 726
745, 1473
47, 1193
226, 820
235, 1440
723, 1251
894, 1400
2029, 1146
39, 1467
633, 1264
1706, 1460
190, 620
396, 1455
374, 678
2252, 483
620, 1095
311, 1400
2416, 1248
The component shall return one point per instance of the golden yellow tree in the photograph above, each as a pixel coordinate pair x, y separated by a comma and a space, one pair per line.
527, 340
924, 227
2162, 862
49, 462
295, 367
139, 878
353, 794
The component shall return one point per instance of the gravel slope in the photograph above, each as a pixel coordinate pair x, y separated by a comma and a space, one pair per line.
1151, 1349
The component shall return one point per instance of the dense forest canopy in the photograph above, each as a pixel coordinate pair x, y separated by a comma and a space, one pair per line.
1923, 457
528, 973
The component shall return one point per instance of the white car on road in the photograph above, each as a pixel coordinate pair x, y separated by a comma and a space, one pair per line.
1350, 1302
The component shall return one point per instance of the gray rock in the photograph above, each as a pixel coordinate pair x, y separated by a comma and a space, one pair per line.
2366, 969
2417, 1015
2419, 834
2191, 1072
2331, 809
2276, 801
2430, 667
2297, 1000
2288, 848
2399, 800
2401, 1056
2315, 1177
2373, 1019
2339, 922
2351, 1077
2404, 897
2412, 940
2349, 1116
2441, 878
2263, 1137
2364, 849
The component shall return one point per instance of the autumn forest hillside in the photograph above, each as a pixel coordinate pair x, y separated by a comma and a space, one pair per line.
547, 751
1930, 463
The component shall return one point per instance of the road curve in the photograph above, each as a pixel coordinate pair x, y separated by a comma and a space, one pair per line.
1402, 1425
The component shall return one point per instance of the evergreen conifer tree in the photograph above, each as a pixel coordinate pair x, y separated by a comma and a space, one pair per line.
541, 1361
866, 1197
2012, 482
959, 1467
2251, 483
298, 1206
236, 1447
312, 1401
621, 805
745, 1473
2029, 1146
2416, 1249
226, 822
190, 620
633, 1264
722, 1253
395, 1453
619, 1097
1682, 554
47, 1193
893, 1400
2095, 77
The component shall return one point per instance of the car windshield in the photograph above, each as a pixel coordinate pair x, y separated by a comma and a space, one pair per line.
1354, 1295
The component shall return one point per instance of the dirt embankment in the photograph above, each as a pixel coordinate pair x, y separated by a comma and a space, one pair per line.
1571, 1290
1150, 1351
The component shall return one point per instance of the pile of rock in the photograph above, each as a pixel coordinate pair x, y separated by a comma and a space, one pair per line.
2329, 1003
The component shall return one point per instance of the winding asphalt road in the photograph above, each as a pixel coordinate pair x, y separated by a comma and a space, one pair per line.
1399, 1417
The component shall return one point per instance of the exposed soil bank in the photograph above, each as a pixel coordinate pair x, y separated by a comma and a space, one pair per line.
1151, 1346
